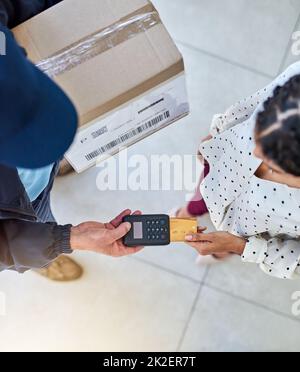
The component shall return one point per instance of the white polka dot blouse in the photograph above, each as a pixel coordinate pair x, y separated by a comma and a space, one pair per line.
266, 213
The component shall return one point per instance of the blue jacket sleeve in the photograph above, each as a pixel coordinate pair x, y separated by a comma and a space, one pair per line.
14, 12
26, 245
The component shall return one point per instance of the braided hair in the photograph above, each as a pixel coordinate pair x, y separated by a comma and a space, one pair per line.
282, 113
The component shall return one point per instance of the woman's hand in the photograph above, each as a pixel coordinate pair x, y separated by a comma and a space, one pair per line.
105, 238
215, 243
208, 138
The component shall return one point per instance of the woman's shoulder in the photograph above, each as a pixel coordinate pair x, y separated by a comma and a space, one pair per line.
294, 68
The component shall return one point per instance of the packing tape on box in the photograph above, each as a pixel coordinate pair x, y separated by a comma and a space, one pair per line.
99, 43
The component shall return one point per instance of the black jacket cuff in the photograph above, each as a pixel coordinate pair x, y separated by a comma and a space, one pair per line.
62, 239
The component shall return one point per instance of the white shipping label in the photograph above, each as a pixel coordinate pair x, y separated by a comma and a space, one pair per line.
140, 118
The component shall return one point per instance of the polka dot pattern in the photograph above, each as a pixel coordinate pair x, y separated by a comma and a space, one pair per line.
266, 213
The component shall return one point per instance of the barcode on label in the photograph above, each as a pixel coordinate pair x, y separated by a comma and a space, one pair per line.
148, 125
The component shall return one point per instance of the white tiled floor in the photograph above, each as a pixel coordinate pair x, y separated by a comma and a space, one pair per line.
159, 300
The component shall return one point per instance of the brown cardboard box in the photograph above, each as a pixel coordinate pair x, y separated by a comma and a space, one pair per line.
117, 62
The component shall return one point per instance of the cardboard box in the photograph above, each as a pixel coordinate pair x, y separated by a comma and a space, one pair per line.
117, 62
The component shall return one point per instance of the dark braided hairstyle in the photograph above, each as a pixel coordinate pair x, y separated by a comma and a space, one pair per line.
282, 145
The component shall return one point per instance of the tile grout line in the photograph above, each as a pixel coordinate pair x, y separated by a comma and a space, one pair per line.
286, 54
215, 56
203, 283
201, 286
251, 302
162, 268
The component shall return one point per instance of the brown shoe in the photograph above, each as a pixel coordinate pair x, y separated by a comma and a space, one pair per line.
63, 269
65, 168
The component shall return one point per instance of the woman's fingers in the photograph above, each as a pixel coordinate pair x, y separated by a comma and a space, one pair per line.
201, 229
205, 238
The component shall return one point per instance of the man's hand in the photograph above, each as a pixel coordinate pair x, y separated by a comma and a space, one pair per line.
103, 238
218, 242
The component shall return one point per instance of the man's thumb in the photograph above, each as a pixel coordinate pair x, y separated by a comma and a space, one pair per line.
120, 231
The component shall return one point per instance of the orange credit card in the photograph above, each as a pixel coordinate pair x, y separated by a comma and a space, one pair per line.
181, 227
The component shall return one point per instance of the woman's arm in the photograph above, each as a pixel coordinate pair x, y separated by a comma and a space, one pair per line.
217, 243
278, 257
